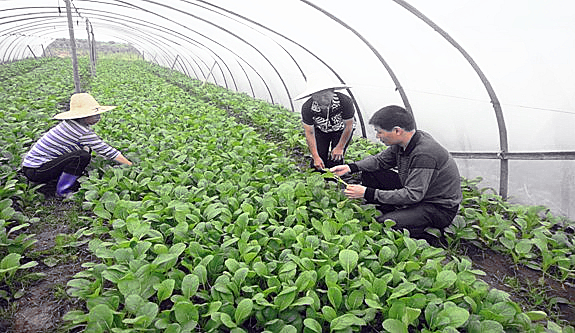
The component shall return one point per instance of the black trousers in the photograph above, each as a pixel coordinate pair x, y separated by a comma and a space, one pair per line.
415, 217
325, 143
73, 163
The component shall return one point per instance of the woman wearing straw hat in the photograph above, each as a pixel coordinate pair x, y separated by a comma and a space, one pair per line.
63, 152
327, 118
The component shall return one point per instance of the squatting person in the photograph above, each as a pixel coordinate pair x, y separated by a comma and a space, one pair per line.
327, 118
426, 189
63, 153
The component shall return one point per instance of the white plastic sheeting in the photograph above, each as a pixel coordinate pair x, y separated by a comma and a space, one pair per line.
265, 48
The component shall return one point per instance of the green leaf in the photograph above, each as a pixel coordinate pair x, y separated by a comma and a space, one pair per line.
76, 316
335, 296
524, 246
133, 303
303, 301
348, 260
386, 254
285, 298
394, 326
402, 289
379, 286
100, 211
456, 315
10, 262
129, 285
213, 308
355, 299
190, 285
444, 280
227, 320
173, 328
345, 321
329, 313
28, 265
202, 273
185, 313
373, 303
306, 280
102, 315
149, 311
240, 276
536, 315
243, 310
260, 268
485, 326
288, 329
165, 289
313, 325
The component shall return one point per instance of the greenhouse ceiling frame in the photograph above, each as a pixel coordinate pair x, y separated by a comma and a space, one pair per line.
34, 31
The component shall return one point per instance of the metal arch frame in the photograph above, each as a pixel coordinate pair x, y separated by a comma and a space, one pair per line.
243, 40
60, 23
16, 40
398, 86
51, 24
214, 53
278, 44
172, 32
360, 116
183, 64
214, 41
125, 27
154, 26
503, 142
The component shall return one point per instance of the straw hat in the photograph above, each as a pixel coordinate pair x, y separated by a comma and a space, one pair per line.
316, 83
83, 105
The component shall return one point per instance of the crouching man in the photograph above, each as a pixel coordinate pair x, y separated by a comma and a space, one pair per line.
426, 189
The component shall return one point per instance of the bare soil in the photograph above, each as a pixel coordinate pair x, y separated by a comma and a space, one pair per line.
45, 301
39, 310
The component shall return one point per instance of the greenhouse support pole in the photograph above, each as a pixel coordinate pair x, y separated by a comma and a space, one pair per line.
503, 143
210, 73
90, 48
93, 49
392, 75
175, 61
73, 47
29, 48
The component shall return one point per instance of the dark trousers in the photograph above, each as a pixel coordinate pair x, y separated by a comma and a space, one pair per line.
73, 163
414, 217
325, 143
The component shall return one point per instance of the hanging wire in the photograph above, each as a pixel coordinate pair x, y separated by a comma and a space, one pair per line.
485, 101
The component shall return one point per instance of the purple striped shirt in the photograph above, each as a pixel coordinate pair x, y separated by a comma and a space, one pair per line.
66, 137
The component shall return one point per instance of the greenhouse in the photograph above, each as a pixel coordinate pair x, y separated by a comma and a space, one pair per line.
203, 211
